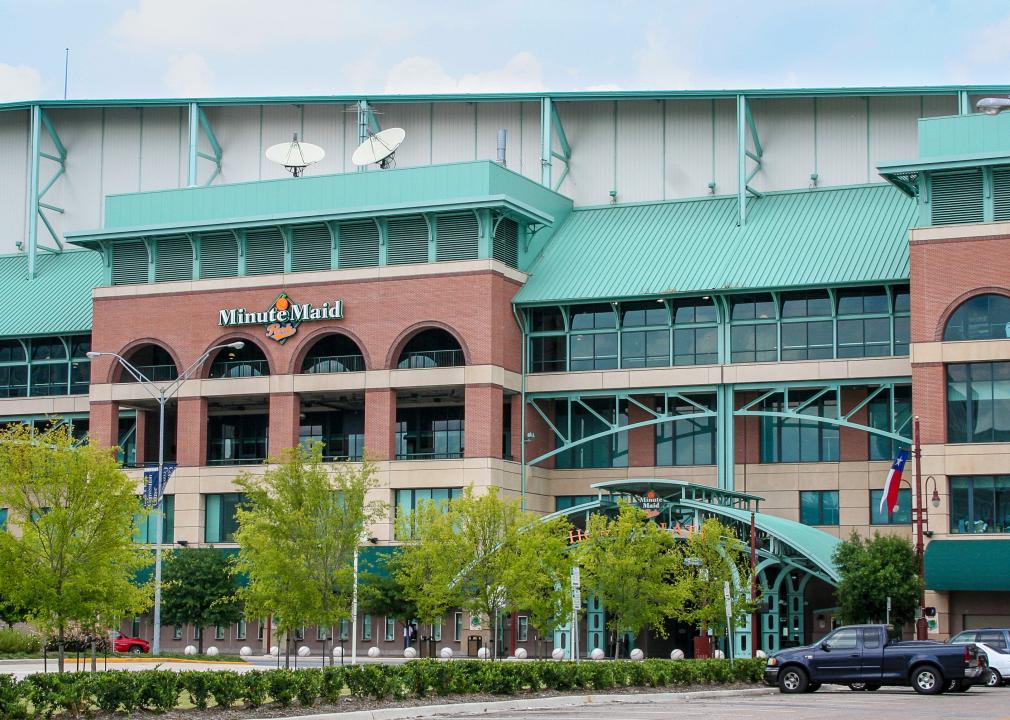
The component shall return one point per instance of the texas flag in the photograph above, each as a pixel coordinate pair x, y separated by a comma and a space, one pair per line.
890, 497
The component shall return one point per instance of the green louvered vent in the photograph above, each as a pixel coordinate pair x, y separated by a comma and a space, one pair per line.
1001, 193
359, 244
506, 243
129, 263
174, 259
264, 251
408, 240
310, 247
456, 236
218, 255
957, 198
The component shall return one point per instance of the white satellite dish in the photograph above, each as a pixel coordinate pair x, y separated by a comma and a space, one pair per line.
295, 156
379, 148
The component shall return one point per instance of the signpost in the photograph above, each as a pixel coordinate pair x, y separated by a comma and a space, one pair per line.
729, 619
576, 605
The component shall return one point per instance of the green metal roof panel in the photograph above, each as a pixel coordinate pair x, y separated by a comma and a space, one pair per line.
832, 236
57, 301
977, 565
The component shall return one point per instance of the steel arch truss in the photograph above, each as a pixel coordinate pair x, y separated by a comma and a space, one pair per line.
40, 121
198, 119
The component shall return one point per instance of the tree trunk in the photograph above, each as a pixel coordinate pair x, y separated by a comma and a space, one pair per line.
60, 644
287, 650
94, 655
199, 643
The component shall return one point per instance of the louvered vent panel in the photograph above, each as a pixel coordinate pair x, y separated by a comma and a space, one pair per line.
506, 243
1001, 193
129, 263
359, 245
408, 240
174, 260
457, 237
957, 198
310, 247
264, 251
218, 255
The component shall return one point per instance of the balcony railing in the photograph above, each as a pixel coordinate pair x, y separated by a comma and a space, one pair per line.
239, 368
431, 359
430, 456
335, 364
157, 373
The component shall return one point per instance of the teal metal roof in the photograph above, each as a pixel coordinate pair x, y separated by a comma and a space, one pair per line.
807, 238
57, 301
976, 565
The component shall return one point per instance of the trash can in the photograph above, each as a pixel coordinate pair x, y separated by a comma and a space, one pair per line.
426, 647
704, 647
473, 644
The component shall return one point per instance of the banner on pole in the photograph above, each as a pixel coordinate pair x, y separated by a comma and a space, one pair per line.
153, 487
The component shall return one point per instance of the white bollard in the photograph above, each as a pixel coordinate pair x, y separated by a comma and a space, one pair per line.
409, 653
719, 655
189, 650
677, 654
558, 654
245, 651
212, 651
596, 654
373, 652
483, 653
521, 653
637, 654
274, 650
304, 651
446, 652
761, 654
338, 652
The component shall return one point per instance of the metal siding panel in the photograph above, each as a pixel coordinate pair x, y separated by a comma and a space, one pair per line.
238, 132
79, 192
13, 178
688, 148
841, 141
121, 151
280, 122
416, 122
726, 178
452, 136
589, 127
162, 153
939, 105
324, 127
529, 142
786, 131
639, 151
893, 123
491, 117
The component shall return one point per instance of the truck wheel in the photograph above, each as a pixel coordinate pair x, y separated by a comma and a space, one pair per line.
872, 687
793, 680
857, 687
927, 680
136, 649
993, 679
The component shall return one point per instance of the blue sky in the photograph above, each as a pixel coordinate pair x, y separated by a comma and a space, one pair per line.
167, 48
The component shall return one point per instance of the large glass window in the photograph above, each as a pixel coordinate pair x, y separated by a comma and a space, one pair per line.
44, 366
603, 452
146, 528
754, 335
695, 333
879, 412
864, 322
408, 500
902, 513
342, 433
431, 348
687, 442
807, 331
249, 361
983, 317
548, 353
980, 504
237, 439
902, 309
645, 335
978, 402
819, 507
220, 517
789, 440
429, 433
333, 354
563, 502
13, 369
593, 341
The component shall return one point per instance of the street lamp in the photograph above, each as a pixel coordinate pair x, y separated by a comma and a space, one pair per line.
993, 105
161, 395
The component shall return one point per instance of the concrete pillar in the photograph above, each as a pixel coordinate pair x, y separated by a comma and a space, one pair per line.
285, 421
854, 445
544, 439
380, 424
141, 436
104, 428
192, 432
641, 441
516, 429
482, 419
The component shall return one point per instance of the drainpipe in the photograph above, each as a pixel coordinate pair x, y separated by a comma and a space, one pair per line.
522, 411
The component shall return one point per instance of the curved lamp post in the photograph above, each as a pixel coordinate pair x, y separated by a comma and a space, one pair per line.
161, 395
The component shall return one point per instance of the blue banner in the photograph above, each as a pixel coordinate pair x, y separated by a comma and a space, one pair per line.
153, 489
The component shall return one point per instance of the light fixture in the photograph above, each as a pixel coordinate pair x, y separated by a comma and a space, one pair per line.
237, 345
993, 105
935, 499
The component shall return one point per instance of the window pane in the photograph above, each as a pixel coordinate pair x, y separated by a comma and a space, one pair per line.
546, 319
694, 311
960, 516
810, 508
588, 317
643, 314
548, 354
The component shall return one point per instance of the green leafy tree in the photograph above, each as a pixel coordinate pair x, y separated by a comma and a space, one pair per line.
297, 534
873, 570
199, 589
71, 560
707, 559
11, 610
540, 577
629, 563
474, 554
381, 590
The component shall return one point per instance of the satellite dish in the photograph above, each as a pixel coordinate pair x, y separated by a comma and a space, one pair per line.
295, 156
379, 148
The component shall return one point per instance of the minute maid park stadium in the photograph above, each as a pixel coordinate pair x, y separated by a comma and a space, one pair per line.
736, 301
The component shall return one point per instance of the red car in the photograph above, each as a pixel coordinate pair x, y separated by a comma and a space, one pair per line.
124, 643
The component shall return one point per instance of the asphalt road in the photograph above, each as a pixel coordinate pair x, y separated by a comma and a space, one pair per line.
840, 704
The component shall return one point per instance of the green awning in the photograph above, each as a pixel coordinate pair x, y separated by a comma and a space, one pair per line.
980, 565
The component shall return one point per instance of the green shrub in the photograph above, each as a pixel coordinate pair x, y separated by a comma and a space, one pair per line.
12, 704
115, 689
159, 689
15, 642
308, 686
282, 686
331, 684
254, 688
226, 687
197, 684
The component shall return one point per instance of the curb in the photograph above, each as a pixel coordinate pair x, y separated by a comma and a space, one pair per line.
546, 703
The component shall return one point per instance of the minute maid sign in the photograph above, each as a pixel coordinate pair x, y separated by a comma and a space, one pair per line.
282, 319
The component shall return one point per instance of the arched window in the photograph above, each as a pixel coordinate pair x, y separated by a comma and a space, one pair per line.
153, 361
247, 362
431, 348
333, 354
983, 317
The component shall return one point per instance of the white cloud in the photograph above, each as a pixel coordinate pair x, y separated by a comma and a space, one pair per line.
189, 75
606, 87
657, 67
19, 82
988, 44
420, 74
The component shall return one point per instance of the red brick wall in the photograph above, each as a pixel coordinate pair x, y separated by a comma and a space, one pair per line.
192, 445
284, 421
929, 394
641, 441
854, 445
483, 421
380, 424
104, 427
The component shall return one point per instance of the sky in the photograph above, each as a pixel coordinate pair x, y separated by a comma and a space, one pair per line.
208, 48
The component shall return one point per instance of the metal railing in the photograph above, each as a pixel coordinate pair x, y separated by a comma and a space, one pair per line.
157, 373
335, 364
430, 456
239, 368
431, 359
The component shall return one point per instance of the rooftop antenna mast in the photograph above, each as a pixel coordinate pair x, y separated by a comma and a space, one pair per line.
66, 70
295, 156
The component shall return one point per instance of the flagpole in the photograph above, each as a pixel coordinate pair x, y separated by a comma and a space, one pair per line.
920, 623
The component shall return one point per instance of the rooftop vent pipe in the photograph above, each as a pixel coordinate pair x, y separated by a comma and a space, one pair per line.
502, 139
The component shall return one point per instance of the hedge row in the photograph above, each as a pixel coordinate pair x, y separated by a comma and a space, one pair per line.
43, 695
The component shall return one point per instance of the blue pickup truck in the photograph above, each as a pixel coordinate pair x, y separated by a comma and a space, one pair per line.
865, 657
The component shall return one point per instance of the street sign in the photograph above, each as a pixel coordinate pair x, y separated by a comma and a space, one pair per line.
693, 562
576, 577
576, 598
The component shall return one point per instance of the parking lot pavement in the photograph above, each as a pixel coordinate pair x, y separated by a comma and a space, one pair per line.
840, 704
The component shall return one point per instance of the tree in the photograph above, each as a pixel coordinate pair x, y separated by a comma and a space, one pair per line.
478, 553
629, 564
381, 591
74, 562
707, 559
873, 570
297, 534
11, 610
199, 589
